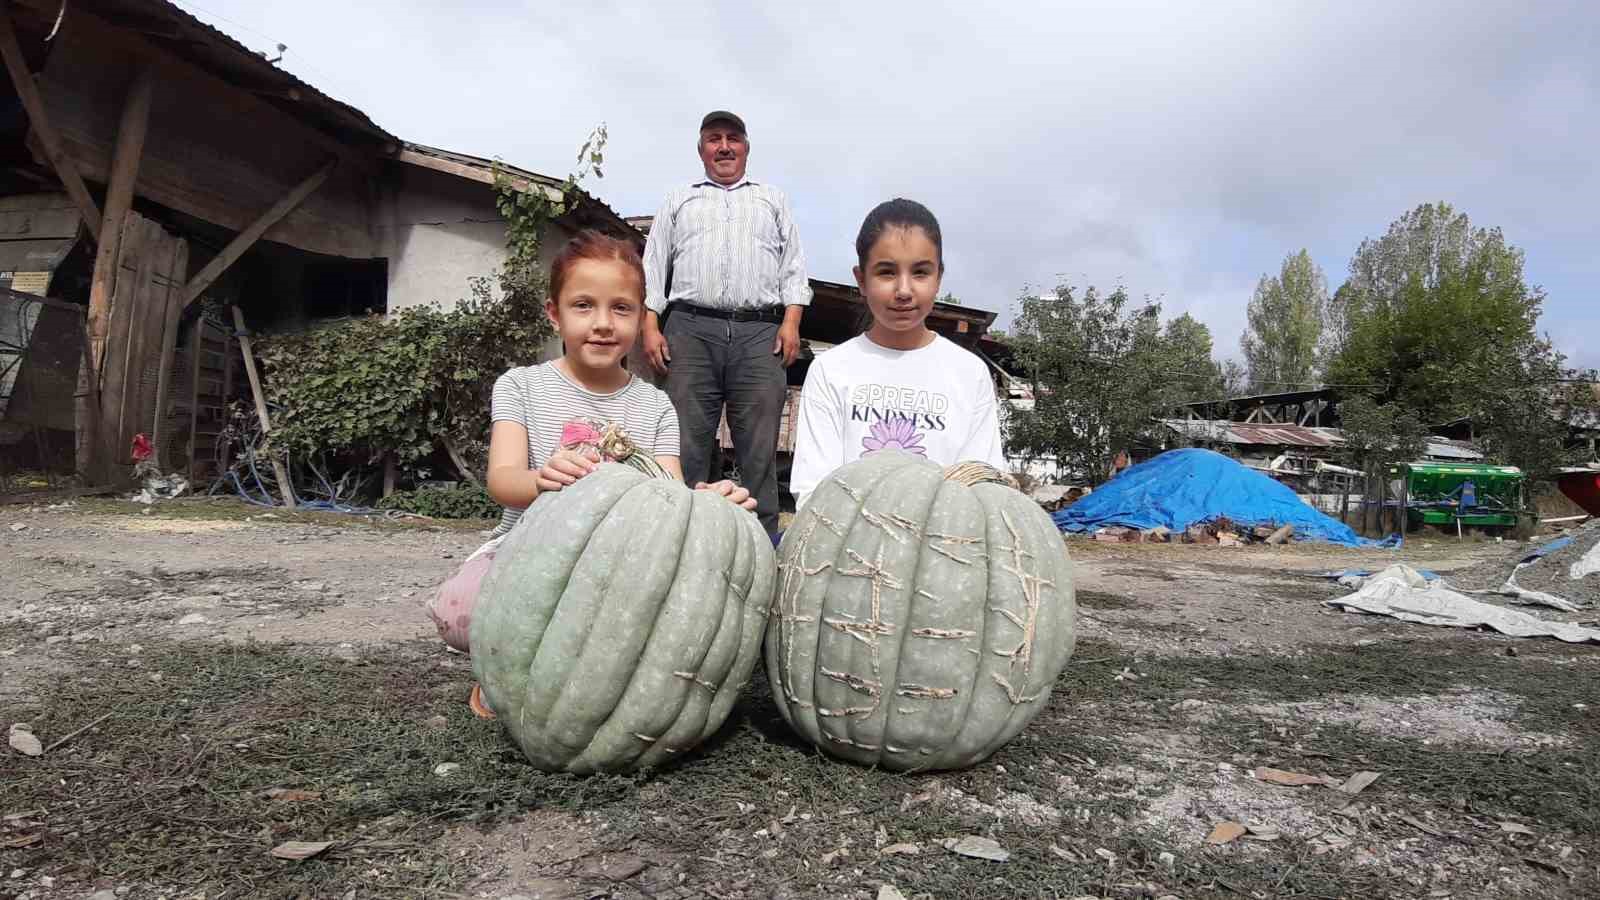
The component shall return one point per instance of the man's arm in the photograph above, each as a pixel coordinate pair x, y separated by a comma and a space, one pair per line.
793, 286
657, 275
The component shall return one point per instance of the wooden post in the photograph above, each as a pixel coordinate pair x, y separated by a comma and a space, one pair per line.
253, 232
226, 461
28, 92
119, 199
169, 350
390, 473
461, 464
196, 346
278, 468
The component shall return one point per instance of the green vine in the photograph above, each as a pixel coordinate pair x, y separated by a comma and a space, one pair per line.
420, 379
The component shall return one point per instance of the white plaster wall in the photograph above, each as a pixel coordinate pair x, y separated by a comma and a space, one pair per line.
440, 233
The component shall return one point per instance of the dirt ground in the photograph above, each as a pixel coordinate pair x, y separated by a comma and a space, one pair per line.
251, 679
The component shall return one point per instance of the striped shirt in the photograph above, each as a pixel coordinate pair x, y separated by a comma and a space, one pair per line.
726, 247
543, 400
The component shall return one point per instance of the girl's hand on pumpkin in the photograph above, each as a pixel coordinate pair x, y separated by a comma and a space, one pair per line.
565, 467
736, 495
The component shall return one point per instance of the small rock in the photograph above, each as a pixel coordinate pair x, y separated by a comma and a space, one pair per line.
82, 637
1168, 860
19, 526
445, 770
22, 740
890, 892
312, 585
193, 619
56, 639
438, 722
975, 846
155, 676
447, 555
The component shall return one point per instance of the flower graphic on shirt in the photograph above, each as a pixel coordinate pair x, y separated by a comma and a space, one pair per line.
581, 435
895, 434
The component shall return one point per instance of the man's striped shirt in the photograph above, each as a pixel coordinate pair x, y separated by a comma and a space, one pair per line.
725, 247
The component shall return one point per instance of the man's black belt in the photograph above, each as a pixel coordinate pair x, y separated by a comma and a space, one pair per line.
758, 314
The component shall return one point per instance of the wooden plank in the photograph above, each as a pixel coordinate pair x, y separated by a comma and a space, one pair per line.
145, 320
253, 232
36, 217
172, 315
195, 339
112, 367
278, 468
28, 91
119, 200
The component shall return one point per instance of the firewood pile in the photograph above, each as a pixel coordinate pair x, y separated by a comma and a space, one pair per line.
1220, 532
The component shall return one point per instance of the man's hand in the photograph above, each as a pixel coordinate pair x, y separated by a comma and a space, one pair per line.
565, 467
788, 342
735, 494
655, 344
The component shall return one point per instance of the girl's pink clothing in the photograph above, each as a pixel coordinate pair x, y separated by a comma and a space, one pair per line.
451, 609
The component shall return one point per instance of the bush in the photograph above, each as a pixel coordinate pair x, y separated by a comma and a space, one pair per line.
462, 501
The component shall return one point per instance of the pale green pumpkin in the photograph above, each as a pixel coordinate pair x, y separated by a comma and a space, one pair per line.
922, 615
621, 619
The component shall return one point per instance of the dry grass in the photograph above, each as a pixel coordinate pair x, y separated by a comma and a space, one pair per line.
170, 789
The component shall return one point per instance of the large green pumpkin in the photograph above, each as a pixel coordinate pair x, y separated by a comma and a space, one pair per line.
922, 614
620, 620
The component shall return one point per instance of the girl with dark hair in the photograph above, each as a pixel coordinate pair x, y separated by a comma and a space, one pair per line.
899, 385
548, 418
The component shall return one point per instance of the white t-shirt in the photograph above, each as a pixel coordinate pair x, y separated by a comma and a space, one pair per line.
859, 397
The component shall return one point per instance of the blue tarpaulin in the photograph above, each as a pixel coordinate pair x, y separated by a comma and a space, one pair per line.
1180, 488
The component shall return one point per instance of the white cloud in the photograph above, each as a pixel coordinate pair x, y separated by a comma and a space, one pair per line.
1179, 149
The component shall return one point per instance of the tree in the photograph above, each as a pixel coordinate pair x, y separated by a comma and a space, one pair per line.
1235, 378
1192, 372
1437, 318
1095, 366
1285, 316
1377, 436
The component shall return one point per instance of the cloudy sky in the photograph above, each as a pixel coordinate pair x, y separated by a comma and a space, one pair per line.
1179, 149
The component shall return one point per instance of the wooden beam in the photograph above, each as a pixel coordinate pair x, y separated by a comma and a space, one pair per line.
278, 468
28, 92
253, 232
475, 173
119, 199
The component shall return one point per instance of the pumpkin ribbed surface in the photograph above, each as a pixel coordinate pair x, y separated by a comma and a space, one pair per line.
620, 620
920, 619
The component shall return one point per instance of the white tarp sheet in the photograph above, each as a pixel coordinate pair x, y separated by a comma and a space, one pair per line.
1402, 593
1588, 564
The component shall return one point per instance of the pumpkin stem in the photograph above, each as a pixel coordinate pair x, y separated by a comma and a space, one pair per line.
615, 444
971, 473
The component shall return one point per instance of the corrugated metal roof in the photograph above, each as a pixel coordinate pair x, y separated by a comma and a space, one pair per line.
1443, 448
1221, 431
212, 50
479, 169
